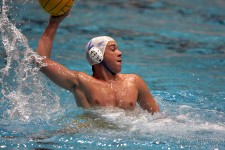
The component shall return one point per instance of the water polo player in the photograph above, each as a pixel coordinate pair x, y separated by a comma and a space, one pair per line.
107, 87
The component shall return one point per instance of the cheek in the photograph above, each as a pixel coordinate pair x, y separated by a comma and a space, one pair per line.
108, 57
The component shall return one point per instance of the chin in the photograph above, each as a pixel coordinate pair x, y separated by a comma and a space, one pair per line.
118, 71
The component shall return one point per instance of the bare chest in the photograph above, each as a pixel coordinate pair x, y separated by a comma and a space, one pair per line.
123, 95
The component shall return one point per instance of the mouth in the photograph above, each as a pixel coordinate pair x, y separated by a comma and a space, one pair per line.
120, 61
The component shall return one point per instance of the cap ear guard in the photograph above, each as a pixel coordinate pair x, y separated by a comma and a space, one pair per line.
95, 55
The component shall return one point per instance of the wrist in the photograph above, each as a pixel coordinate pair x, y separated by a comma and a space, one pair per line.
53, 24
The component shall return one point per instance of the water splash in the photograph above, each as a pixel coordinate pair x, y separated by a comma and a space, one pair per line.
24, 96
177, 123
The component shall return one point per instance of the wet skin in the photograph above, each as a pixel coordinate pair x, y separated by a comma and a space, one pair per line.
106, 87
121, 92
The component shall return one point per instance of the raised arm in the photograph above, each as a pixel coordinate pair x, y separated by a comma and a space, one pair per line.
59, 74
145, 98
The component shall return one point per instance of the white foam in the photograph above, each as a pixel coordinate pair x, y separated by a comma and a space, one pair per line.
178, 124
23, 90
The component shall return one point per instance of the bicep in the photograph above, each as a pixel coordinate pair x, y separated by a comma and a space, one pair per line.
60, 75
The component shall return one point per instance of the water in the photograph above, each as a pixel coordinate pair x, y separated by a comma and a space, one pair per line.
177, 47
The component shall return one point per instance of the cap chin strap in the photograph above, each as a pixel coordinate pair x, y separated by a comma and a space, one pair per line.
113, 73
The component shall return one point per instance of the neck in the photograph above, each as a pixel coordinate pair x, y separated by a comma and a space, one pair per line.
102, 72
106, 67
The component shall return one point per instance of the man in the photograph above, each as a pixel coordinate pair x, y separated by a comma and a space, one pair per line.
106, 87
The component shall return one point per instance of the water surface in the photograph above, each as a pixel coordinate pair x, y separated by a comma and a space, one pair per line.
177, 47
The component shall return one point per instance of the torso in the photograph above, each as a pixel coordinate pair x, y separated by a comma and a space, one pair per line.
121, 92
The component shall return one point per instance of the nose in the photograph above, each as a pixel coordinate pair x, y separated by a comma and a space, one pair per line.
119, 53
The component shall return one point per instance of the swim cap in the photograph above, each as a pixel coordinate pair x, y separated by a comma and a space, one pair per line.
95, 49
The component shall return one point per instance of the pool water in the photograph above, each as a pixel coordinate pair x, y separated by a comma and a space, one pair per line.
176, 46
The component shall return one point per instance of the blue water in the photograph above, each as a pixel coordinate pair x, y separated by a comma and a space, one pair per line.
176, 46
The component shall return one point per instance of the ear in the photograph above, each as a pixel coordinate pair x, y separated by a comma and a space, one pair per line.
95, 55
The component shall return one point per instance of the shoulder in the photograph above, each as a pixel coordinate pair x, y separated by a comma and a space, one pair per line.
132, 78
136, 80
83, 76
78, 77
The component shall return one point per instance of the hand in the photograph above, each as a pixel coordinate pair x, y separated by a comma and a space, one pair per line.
58, 19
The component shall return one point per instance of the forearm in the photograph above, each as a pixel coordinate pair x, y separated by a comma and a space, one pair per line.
46, 41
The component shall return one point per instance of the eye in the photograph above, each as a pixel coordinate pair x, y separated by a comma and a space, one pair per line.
113, 48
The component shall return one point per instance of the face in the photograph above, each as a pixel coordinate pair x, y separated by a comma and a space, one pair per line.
113, 57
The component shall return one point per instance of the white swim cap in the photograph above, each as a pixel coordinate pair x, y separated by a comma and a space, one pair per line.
95, 49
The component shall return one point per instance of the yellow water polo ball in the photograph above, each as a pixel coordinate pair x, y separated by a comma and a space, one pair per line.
56, 7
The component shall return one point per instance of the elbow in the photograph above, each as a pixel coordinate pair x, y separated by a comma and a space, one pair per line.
41, 62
